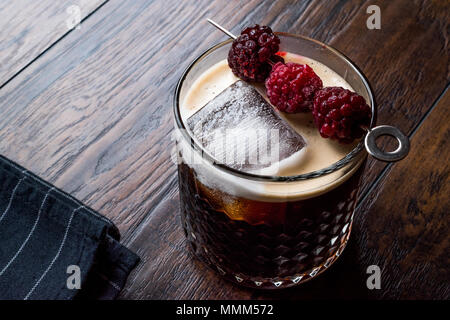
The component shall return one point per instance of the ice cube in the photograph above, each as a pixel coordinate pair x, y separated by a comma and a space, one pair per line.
240, 128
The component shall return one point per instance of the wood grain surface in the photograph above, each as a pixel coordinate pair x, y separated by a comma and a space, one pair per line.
93, 115
404, 224
29, 27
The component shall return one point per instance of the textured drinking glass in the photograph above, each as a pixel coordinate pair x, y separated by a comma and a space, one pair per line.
286, 237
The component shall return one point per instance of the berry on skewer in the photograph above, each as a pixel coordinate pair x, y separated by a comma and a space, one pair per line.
338, 113
252, 53
291, 87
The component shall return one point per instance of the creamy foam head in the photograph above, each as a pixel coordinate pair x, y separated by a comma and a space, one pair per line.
318, 154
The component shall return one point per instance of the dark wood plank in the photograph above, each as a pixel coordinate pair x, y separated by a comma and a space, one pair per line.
27, 28
403, 224
93, 115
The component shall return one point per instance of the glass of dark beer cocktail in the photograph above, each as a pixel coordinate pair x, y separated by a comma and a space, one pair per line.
267, 231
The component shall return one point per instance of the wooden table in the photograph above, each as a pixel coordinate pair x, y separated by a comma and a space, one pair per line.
89, 109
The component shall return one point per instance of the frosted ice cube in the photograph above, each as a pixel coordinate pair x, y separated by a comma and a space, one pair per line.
240, 128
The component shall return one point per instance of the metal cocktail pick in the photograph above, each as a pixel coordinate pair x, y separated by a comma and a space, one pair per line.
372, 133
228, 33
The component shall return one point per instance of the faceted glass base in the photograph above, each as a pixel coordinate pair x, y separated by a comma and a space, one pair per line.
265, 283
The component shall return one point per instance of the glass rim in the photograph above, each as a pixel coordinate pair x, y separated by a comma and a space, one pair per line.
271, 178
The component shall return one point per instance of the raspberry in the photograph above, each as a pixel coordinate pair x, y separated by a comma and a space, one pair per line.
250, 52
291, 86
340, 114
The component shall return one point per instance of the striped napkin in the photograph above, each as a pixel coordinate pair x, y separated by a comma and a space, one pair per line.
54, 247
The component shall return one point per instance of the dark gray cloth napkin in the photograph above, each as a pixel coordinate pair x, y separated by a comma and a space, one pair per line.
49, 241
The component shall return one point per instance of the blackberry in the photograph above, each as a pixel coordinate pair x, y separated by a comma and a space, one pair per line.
340, 114
250, 52
291, 87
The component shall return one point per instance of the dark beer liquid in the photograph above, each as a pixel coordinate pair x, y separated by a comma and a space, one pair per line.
267, 244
